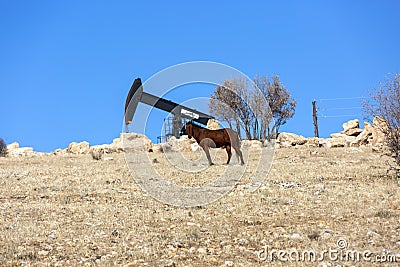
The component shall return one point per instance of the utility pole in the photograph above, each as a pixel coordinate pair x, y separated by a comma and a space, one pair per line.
315, 119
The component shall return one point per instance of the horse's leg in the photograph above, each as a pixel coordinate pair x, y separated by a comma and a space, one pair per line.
238, 152
228, 150
207, 150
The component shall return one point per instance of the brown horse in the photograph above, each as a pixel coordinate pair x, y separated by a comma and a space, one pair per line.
224, 138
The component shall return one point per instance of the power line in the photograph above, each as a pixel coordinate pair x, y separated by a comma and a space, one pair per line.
350, 108
343, 98
339, 116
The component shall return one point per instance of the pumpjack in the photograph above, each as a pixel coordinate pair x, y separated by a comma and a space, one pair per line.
179, 112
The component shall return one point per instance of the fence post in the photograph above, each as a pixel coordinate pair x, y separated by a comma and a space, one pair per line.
315, 119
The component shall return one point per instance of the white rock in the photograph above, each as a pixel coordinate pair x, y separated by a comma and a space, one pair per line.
21, 151
12, 146
96, 152
290, 139
202, 250
59, 151
135, 142
157, 147
174, 144
362, 138
43, 253
78, 148
349, 140
314, 142
337, 142
185, 144
338, 135
352, 124
255, 144
353, 132
379, 127
213, 124
252, 144
194, 147
295, 236
117, 144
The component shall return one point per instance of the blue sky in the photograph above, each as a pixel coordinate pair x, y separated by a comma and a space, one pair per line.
66, 66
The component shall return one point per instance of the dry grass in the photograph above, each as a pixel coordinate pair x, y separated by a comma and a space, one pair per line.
73, 210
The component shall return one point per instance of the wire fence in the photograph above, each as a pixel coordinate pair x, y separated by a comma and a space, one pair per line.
343, 107
334, 110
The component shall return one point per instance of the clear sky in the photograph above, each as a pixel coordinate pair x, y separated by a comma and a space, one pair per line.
66, 66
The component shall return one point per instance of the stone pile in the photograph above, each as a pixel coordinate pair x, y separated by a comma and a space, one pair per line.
351, 136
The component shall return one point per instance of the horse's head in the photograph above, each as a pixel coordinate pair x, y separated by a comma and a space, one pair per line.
189, 129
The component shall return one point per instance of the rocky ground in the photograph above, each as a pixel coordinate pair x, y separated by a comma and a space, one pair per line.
66, 209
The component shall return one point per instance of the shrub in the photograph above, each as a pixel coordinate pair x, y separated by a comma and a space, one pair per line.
385, 103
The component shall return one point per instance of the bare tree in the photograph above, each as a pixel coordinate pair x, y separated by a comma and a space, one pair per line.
385, 103
3, 148
253, 108
230, 103
282, 105
218, 105
271, 99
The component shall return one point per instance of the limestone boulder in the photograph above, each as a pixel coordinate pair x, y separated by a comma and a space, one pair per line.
97, 153
21, 151
117, 144
338, 135
352, 124
59, 151
251, 144
379, 128
314, 142
157, 147
185, 144
182, 144
349, 140
135, 142
364, 136
213, 124
12, 146
372, 135
353, 132
174, 143
290, 139
78, 148
352, 128
255, 144
332, 142
105, 149
336, 140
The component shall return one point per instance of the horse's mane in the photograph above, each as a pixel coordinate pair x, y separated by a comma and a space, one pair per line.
195, 124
